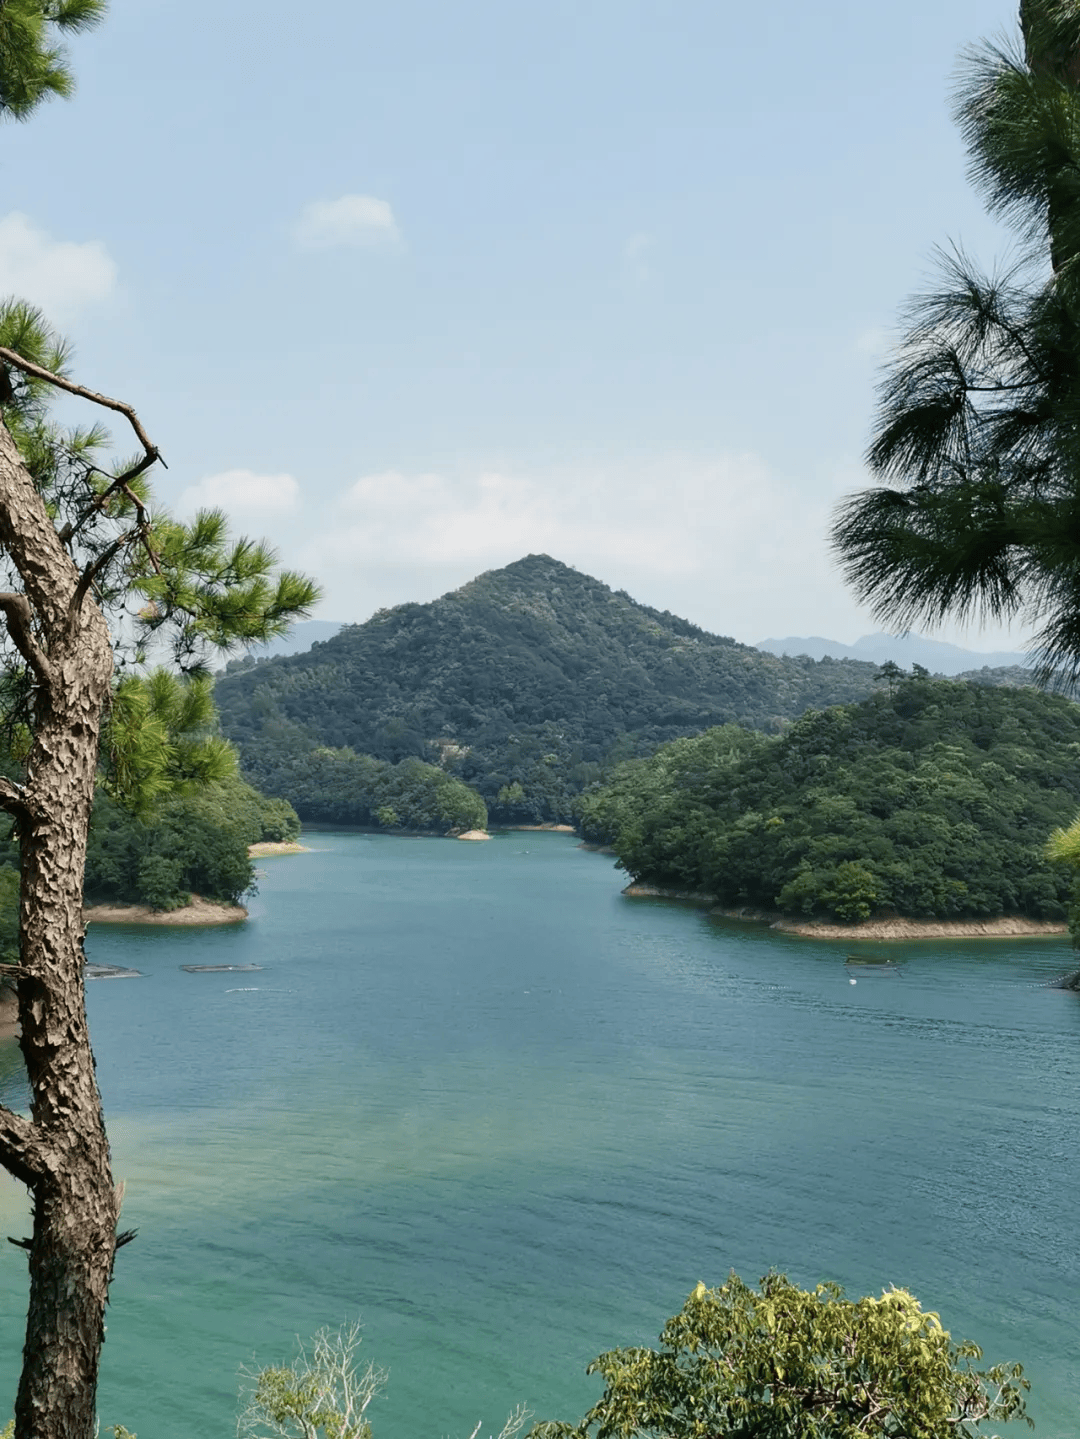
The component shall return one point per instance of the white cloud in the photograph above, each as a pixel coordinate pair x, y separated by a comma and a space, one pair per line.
721, 540
242, 492
351, 220
61, 276
667, 518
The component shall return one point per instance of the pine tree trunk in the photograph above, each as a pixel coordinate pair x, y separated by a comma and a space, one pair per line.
75, 1207
63, 1153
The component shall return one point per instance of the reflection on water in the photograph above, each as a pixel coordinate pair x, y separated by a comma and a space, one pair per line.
511, 1119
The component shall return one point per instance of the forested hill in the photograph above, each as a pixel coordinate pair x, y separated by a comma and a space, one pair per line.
931, 798
522, 683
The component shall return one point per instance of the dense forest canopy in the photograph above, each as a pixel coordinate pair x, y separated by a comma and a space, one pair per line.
930, 798
340, 786
523, 683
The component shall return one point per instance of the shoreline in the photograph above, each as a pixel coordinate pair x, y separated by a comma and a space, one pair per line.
547, 828
264, 847
199, 911
1004, 926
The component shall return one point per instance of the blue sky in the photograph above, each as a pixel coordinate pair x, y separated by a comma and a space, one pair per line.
414, 290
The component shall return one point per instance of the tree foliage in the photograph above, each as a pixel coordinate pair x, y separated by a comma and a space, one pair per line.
193, 843
977, 440
933, 801
781, 1362
33, 63
322, 1394
341, 787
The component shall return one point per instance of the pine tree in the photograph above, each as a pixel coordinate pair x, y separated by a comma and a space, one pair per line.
977, 439
84, 562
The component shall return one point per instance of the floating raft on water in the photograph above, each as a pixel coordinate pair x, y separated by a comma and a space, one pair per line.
220, 968
111, 971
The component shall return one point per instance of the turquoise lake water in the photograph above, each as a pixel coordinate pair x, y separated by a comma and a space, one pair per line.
510, 1118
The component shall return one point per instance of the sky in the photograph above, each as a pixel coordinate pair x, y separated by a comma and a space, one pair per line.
413, 290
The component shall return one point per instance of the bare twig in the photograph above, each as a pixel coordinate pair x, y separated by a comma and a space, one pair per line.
91, 572
121, 483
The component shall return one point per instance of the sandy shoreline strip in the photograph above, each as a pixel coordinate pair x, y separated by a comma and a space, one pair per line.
199, 911
266, 847
1006, 926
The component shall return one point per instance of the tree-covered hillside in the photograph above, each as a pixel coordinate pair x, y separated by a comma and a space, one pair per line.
523, 683
931, 798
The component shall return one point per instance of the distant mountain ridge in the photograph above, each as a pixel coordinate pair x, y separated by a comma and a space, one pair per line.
905, 650
523, 682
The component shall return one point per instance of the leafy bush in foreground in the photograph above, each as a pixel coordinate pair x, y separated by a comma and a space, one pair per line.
787, 1363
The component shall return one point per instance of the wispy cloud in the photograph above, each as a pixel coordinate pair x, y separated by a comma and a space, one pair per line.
61, 276
242, 492
635, 259
350, 220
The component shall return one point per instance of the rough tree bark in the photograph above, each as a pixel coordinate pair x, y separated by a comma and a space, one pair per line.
61, 1153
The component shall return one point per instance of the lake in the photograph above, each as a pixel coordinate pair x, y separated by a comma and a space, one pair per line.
509, 1118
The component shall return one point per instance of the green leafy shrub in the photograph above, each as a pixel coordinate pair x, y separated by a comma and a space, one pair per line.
789, 1363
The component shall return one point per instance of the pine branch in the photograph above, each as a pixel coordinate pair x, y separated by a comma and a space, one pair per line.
91, 572
19, 615
120, 484
21, 1150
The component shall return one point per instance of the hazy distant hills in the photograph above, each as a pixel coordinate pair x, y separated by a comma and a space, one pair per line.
523, 682
904, 650
301, 637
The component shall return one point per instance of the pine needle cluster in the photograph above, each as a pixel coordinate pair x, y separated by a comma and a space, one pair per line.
977, 438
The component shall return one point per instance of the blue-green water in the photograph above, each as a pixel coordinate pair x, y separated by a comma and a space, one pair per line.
510, 1118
